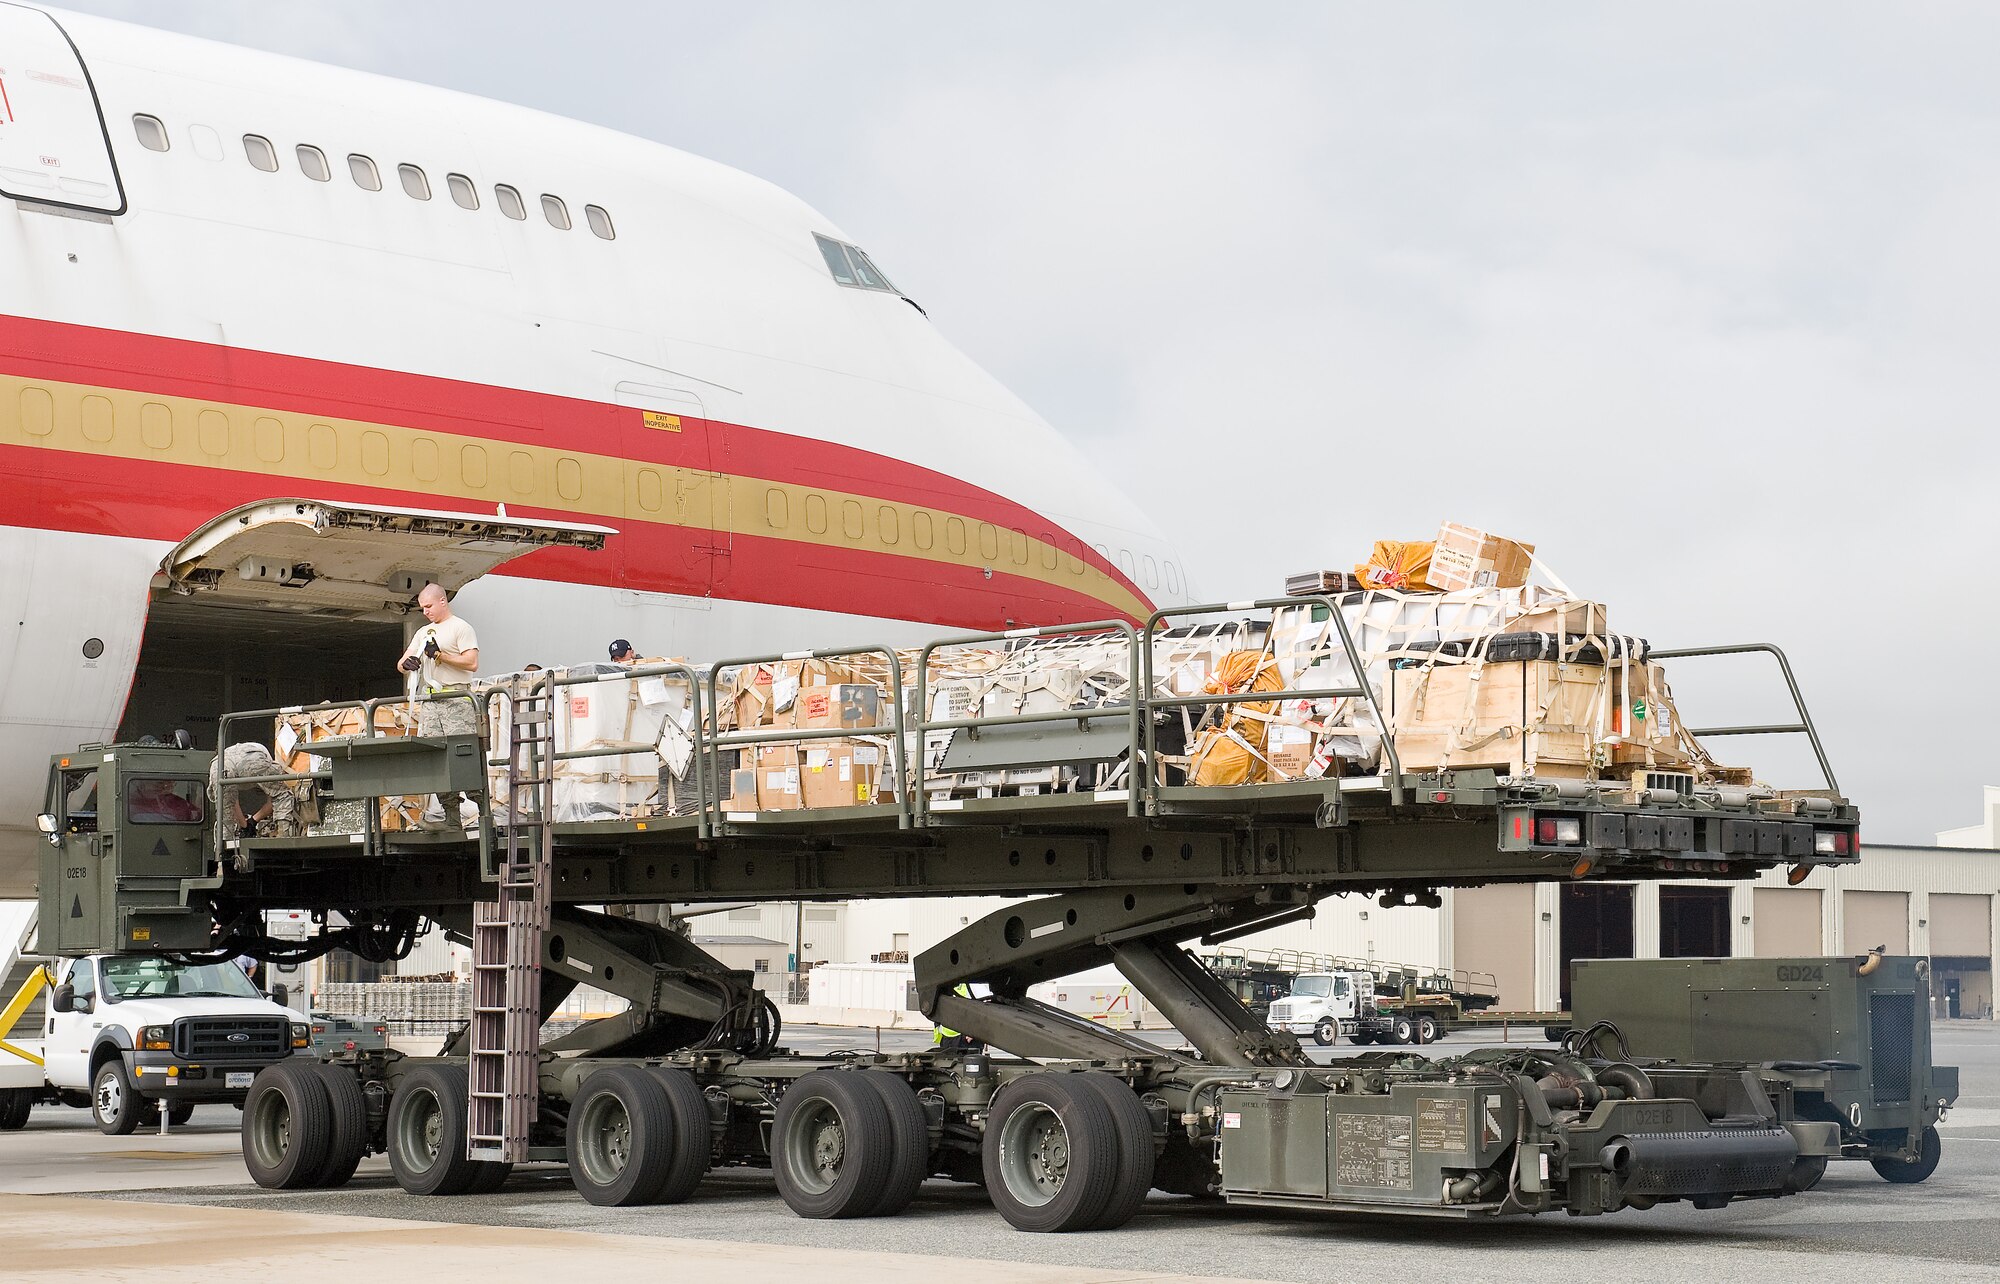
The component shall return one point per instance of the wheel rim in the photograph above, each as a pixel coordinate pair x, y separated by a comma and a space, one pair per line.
269, 1128
421, 1135
1034, 1154
816, 1146
110, 1097
604, 1139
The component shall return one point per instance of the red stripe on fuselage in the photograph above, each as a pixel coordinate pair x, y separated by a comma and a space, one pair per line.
307, 386
140, 499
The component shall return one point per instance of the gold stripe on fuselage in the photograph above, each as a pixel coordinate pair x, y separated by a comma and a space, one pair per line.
121, 424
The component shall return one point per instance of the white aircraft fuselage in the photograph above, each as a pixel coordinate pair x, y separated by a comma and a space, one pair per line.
788, 458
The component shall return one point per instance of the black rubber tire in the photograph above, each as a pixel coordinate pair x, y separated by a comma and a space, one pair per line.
1360, 1038
1327, 1032
429, 1106
693, 1140
112, 1083
1806, 1173
179, 1113
16, 1104
1402, 1030
911, 1133
1135, 1149
823, 1175
1428, 1029
350, 1123
1016, 1150
620, 1137
287, 1127
488, 1176
1902, 1173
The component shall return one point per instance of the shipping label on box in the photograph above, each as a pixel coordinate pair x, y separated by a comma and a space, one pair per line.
849, 706
842, 775
1467, 558
1289, 750
778, 778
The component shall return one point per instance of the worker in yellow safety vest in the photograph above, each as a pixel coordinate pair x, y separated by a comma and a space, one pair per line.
945, 1037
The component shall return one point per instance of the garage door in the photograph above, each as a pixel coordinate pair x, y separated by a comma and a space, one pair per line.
1787, 923
1961, 925
1875, 918
1493, 930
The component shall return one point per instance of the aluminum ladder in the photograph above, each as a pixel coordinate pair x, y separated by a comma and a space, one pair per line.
507, 940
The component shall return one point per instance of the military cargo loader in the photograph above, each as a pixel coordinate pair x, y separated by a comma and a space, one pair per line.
1067, 1130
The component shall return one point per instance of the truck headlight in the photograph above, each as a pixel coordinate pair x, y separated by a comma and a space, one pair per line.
301, 1035
156, 1038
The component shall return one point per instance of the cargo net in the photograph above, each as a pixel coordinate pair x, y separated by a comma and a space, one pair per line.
1525, 681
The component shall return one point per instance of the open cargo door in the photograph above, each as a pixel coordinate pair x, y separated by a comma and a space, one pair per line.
349, 561
295, 601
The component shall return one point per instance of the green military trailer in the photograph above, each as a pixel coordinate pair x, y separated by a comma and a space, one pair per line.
1835, 1040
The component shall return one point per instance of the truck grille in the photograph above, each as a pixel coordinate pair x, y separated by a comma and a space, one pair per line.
1281, 1011
217, 1038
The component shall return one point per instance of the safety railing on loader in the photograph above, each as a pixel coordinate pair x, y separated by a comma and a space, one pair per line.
1804, 726
718, 743
227, 782
1132, 710
1363, 690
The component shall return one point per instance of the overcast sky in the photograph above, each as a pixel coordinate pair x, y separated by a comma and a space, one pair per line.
1700, 299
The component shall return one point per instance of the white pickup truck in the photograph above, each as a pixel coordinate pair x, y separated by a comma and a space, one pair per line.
128, 1035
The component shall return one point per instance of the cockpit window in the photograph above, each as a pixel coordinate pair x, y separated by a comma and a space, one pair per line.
871, 276
851, 266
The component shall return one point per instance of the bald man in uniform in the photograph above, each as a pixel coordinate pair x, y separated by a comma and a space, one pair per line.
441, 658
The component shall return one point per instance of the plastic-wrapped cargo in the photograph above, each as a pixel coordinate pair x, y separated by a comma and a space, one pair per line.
632, 727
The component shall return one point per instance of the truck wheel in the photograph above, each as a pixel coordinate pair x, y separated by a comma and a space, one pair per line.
1402, 1030
620, 1137
114, 1103
693, 1141
16, 1104
910, 1133
832, 1145
1428, 1029
1360, 1037
1327, 1032
287, 1127
427, 1132
350, 1124
1135, 1149
1050, 1154
1908, 1172
179, 1113
1806, 1173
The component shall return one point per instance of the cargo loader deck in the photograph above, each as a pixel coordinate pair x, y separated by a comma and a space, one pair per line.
1071, 1129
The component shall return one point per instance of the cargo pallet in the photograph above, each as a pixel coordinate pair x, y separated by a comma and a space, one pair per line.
1072, 1128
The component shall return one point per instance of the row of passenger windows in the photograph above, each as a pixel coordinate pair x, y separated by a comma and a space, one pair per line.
313, 163
994, 544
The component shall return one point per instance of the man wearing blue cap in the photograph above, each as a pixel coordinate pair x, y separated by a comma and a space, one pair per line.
622, 653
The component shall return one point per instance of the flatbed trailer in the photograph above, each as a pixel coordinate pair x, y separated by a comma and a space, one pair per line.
1076, 1122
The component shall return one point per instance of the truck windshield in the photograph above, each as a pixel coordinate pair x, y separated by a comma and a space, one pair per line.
149, 978
1312, 987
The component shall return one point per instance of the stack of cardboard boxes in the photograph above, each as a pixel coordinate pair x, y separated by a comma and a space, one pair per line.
810, 695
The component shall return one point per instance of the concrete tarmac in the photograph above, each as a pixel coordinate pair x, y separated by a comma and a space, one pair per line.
157, 1196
